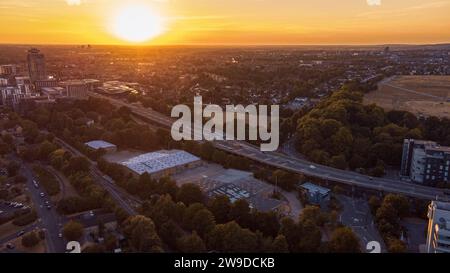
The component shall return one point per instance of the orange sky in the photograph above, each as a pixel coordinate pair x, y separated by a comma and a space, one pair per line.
232, 21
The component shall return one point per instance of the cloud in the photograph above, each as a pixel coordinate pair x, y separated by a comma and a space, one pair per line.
74, 2
374, 2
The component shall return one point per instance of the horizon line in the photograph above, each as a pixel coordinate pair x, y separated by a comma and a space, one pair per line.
224, 44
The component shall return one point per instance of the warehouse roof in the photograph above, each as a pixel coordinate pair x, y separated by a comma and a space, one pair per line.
99, 144
158, 161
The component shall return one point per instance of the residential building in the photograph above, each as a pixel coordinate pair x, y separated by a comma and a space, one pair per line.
24, 83
8, 70
425, 162
11, 95
438, 237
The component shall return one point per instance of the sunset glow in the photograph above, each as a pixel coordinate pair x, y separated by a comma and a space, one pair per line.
136, 24
225, 22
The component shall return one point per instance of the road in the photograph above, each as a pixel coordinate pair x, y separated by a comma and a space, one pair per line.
49, 220
296, 165
356, 214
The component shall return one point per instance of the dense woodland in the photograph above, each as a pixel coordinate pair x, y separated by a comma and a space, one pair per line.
344, 133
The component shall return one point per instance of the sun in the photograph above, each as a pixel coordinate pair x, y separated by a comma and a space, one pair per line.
137, 24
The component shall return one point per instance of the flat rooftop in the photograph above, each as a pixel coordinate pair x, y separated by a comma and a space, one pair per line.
99, 144
159, 161
315, 188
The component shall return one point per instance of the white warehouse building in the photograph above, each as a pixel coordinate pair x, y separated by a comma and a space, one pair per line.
161, 163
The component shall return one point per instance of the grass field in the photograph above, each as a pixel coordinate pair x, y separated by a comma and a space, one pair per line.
421, 95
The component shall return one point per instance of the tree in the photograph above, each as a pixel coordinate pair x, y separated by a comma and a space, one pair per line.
313, 213
230, 237
170, 232
344, 240
280, 245
399, 202
220, 206
30, 240
191, 243
339, 162
189, 214
285, 180
142, 234
73, 231
374, 203
266, 222
310, 237
45, 149
94, 248
396, 246
189, 194
240, 212
203, 222
78, 164
12, 167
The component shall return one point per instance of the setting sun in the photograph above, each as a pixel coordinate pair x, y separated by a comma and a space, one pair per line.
137, 24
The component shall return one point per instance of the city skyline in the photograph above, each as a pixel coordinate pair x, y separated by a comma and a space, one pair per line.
198, 22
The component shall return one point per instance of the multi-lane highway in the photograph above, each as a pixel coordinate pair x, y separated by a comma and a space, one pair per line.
296, 165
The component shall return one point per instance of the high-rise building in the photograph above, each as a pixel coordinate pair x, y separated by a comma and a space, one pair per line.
438, 237
425, 162
36, 65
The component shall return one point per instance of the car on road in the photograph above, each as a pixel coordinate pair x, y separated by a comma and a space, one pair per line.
42, 194
60, 235
312, 167
1, 211
20, 233
35, 183
49, 207
10, 246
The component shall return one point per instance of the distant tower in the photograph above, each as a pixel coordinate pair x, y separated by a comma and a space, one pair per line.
36, 65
